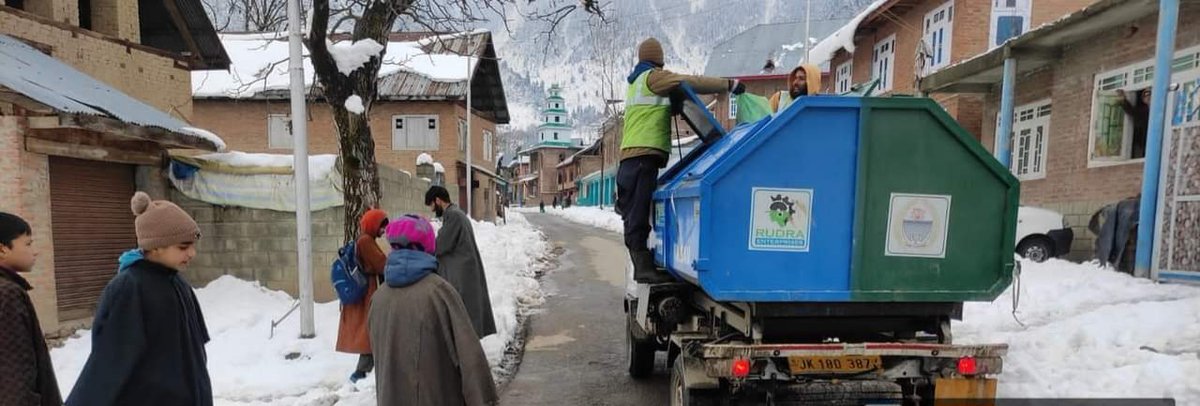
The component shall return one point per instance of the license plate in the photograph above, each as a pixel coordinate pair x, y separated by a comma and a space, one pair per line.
840, 365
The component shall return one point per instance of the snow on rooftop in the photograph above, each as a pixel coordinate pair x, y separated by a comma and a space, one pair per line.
354, 104
259, 62
438, 168
204, 134
319, 166
424, 159
446, 37
842, 38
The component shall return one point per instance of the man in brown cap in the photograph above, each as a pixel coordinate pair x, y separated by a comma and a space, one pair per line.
646, 145
148, 336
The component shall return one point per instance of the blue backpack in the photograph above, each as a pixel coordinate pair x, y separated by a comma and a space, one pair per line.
348, 279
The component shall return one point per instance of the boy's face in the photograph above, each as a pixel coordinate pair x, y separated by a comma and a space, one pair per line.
176, 256
20, 256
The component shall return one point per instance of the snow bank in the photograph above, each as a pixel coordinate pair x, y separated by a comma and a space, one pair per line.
352, 55
248, 367
1091, 332
319, 166
424, 159
842, 38
354, 104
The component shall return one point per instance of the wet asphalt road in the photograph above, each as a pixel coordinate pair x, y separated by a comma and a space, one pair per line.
575, 350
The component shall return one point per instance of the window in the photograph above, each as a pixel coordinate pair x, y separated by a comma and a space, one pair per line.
462, 135
556, 135
845, 77
487, 146
732, 107
883, 60
1010, 18
85, 14
1031, 136
556, 118
279, 131
939, 30
415, 133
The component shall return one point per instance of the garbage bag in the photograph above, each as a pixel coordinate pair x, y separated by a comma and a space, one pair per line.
752, 107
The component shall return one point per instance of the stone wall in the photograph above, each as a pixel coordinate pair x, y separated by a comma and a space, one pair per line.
260, 245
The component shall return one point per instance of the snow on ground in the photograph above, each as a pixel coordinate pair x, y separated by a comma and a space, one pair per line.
604, 218
1092, 332
248, 367
1088, 331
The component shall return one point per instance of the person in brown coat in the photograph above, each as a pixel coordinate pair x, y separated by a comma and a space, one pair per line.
353, 336
26, 375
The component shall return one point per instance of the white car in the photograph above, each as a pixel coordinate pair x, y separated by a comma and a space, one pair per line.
1042, 234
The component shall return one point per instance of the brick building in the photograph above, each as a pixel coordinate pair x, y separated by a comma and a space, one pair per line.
421, 107
91, 99
556, 140
1073, 146
900, 41
572, 170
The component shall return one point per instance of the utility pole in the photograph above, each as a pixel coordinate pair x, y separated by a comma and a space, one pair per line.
299, 124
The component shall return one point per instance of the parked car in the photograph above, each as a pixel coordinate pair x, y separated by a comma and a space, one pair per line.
1042, 234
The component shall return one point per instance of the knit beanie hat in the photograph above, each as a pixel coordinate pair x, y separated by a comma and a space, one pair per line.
650, 50
411, 229
161, 223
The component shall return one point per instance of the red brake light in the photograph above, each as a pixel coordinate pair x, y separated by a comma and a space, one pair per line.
967, 366
741, 368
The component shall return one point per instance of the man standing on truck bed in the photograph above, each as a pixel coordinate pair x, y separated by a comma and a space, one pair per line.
646, 145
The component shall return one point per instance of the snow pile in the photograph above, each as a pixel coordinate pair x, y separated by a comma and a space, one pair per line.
438, 168
352, 55
319, 166
204, 134
424, 159
248, 367
842, 38
259, 62
354, 104
593, 216
1091, 332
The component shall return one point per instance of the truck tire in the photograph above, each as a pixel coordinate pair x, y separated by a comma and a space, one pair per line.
682, 396
639, 352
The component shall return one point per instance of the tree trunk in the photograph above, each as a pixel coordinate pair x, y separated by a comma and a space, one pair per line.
360, 174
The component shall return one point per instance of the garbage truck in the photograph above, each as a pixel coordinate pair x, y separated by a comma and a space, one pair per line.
819, 255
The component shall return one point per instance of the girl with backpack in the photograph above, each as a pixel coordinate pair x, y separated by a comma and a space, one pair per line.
353, 336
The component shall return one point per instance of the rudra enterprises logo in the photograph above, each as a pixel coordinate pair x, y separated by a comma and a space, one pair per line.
780, 219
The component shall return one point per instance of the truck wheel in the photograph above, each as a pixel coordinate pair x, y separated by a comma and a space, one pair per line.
1036, 249
640, 354
682, 396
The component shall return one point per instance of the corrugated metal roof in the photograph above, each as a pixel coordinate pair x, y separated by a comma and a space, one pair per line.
746, 53
53, 83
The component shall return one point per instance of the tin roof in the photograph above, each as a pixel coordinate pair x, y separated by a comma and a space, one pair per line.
52, 83
746, 53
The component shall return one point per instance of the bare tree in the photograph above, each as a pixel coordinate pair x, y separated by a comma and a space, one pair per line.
248, 15
372, 20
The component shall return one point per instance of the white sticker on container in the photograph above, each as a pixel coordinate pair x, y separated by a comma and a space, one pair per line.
918, 225
780, 219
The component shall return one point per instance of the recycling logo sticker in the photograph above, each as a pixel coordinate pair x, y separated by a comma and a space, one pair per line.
780, 219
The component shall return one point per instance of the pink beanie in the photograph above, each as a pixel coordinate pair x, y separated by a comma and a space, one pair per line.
411, 229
